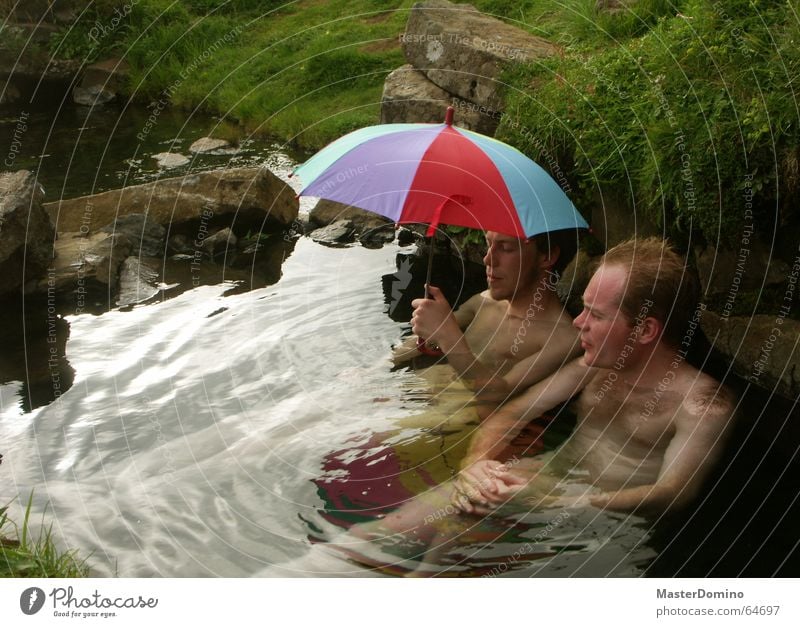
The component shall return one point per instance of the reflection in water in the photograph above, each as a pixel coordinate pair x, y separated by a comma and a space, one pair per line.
209, 434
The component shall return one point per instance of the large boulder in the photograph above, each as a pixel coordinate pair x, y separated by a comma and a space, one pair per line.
327, 212
147, 237
83, 263
408, 96
464, 51
762, 349
26, 234
725, 273
240, 199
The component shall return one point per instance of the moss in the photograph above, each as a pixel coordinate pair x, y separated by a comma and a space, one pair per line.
686, 120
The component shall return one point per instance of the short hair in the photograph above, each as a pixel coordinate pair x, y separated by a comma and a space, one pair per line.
567, 242
657, 273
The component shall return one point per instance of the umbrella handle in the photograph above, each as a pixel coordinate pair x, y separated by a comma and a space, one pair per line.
422, 347
422, 344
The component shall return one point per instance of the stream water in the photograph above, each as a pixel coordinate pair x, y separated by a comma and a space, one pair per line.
193, 435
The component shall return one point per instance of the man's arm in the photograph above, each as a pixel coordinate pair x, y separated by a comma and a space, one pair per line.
463, 316
700, 426
493, 386
505, 423
434, 320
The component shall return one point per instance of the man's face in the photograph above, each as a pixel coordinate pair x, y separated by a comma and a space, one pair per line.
511, 265
604, 329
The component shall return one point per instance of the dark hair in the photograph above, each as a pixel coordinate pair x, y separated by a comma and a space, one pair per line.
567, 242
658, 273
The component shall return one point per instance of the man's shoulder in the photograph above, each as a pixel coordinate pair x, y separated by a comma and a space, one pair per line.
705, 397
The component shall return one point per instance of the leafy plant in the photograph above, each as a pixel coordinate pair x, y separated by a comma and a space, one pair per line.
24, 556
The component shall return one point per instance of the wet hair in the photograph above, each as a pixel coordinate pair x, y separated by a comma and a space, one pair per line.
567, 242
657, 273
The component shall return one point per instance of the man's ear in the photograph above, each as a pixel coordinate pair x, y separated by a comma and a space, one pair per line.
650, 330
548, 259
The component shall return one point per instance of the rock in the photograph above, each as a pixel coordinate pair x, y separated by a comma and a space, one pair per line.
761, 348
376, 238
110, 75
169, 160
26, 233
208, 144
146, 236
405, 237
338, 233
92, 96
573, 282
181, 244
408, 96
327, 212
239, 198
464, 52
137, 282
221, 242
81, 261
725, 273
615, 220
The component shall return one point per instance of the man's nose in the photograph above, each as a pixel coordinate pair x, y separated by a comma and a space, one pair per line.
487, 258
579, 320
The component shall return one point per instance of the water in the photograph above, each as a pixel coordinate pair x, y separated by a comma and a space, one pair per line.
195, 434
190, 440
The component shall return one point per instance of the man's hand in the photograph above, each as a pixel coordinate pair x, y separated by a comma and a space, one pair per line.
434, 321
485, 485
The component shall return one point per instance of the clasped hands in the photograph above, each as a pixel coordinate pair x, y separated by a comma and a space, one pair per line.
484, 486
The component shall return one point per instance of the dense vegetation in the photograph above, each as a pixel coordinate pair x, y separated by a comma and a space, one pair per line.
695, 119
685, 109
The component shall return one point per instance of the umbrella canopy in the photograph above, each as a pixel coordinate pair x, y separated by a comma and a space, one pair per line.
439, 174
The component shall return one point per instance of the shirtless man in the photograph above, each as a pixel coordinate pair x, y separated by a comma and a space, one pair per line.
511, 335
650, 425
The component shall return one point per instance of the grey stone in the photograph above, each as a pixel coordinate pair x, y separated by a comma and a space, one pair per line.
92, 96
221, 242
168, 160
338, 233
464, 51
615, 220
327, 212
405, 237
725, 273
408, 96
208, 144
110, 75
137, 282
251, 197
761, 348
26, 233
81, 261
376, 238
181, 244
147, 236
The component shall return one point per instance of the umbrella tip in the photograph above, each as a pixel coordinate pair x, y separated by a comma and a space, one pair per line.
448, 117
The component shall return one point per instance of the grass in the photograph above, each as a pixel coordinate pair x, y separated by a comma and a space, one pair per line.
307, 71
681, 106
24, 556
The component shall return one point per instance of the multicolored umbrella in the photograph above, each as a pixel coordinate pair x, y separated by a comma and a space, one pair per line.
439, 174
